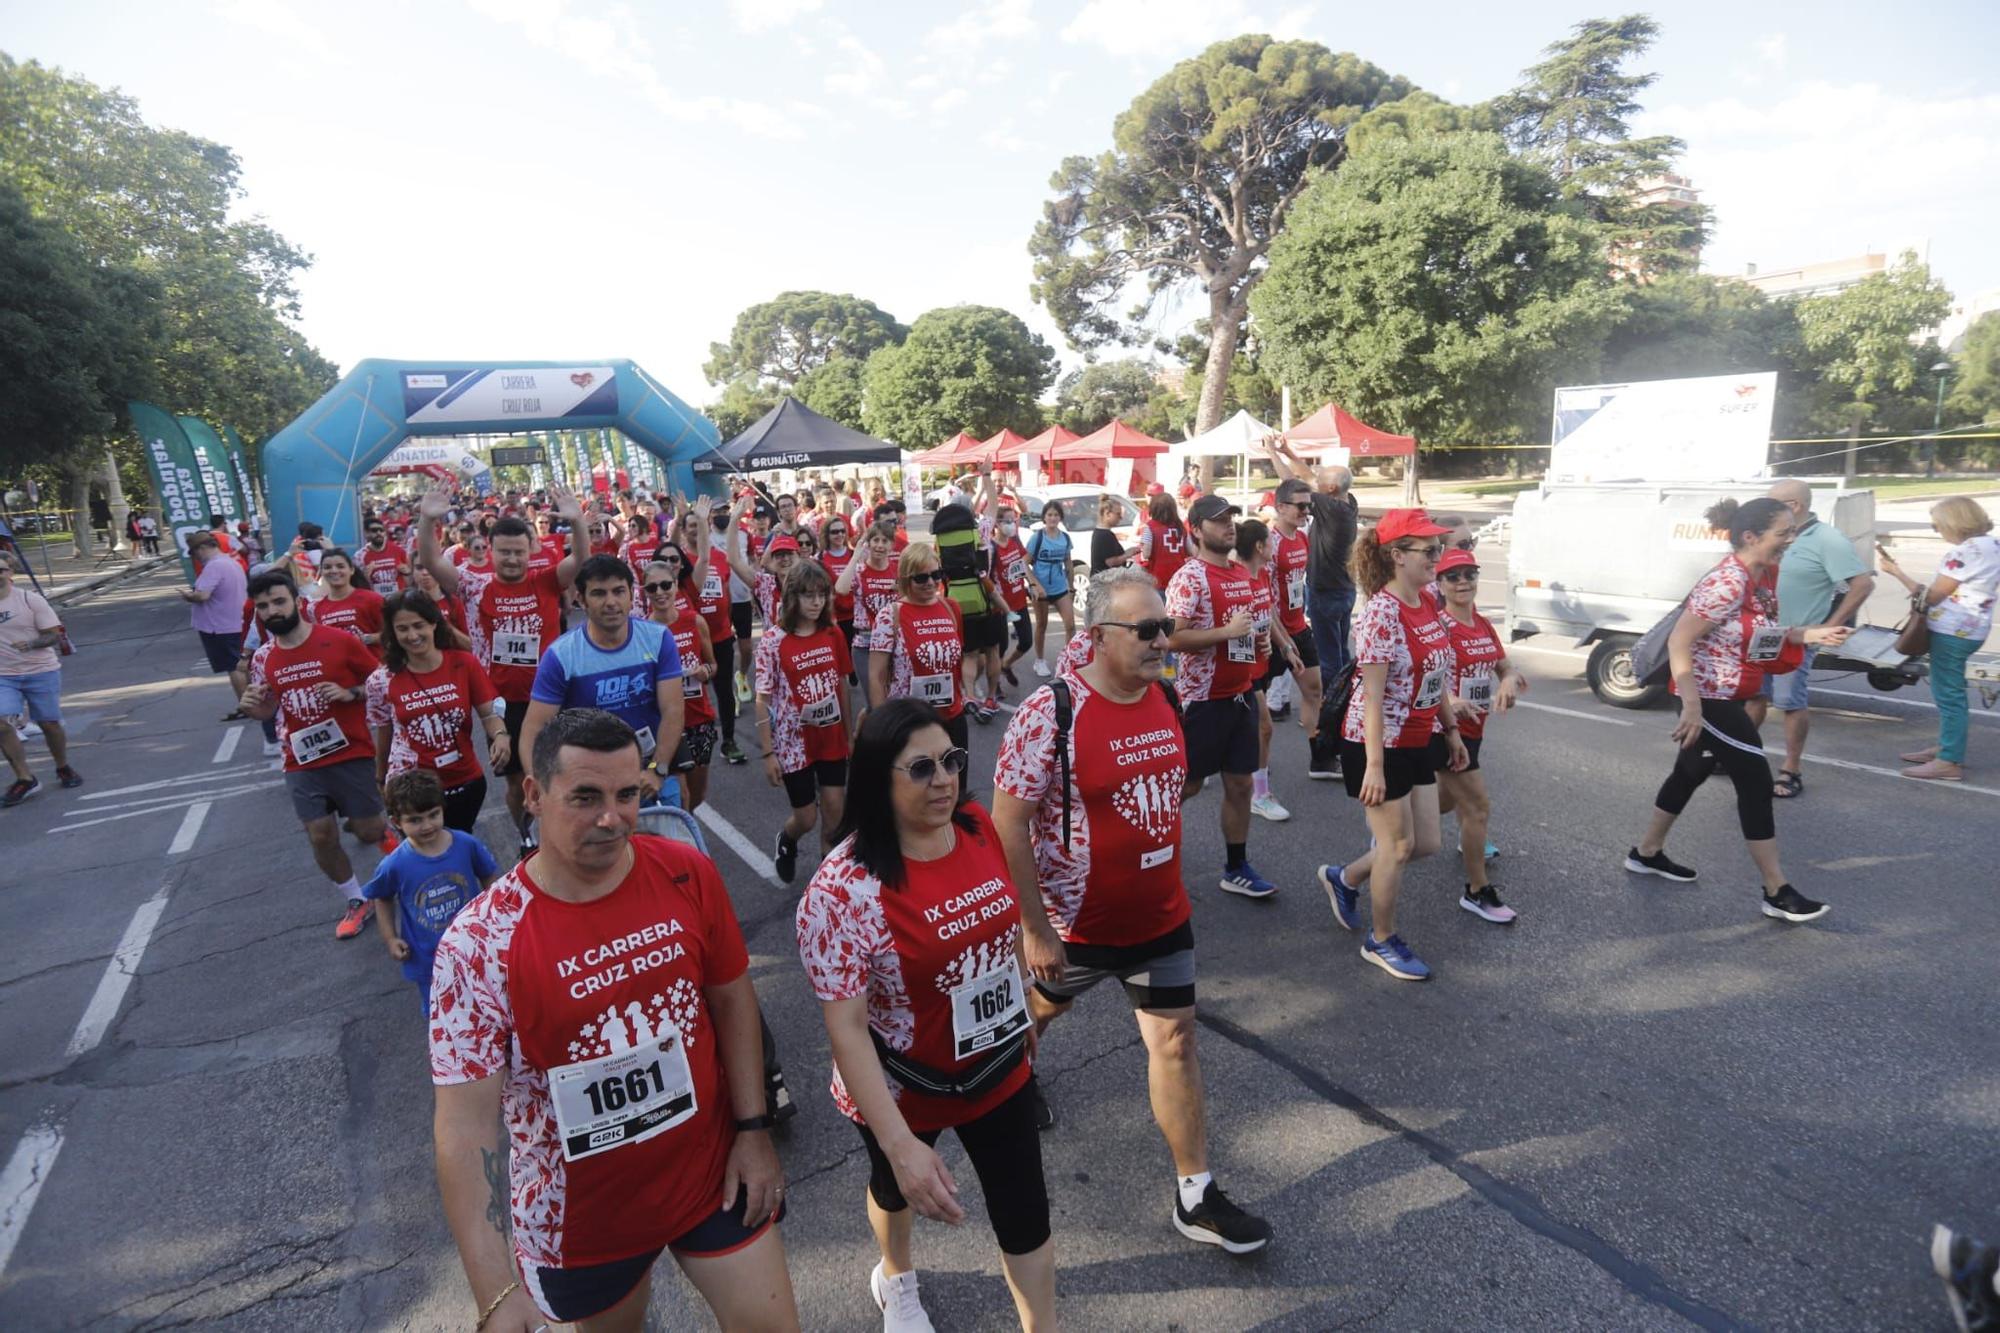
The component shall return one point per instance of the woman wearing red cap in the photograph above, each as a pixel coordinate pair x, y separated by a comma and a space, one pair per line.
1485, 682
1403, 664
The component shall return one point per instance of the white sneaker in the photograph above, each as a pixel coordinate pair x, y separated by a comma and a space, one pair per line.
272, 749
1042, 669
1267, 807
896, 1297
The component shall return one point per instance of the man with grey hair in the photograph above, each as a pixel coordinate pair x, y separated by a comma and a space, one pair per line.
1821, 581
1087, 802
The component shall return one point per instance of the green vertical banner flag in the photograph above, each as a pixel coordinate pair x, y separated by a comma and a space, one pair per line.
239, 462
176, 479
212, 457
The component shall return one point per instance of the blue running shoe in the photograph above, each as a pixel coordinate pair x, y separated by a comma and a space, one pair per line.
1244, 881
1394, 957
1346, 902
1492, 849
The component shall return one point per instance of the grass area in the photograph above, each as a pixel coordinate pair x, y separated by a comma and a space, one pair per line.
1490, 486
1904, 488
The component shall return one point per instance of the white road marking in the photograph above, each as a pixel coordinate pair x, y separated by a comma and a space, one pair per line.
187, 782
737, 842
22, 1180
1778, 752
117, 978
159, 804
1573, 712
226, 748
190, 829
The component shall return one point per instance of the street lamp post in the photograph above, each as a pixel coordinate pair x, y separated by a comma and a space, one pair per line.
1943, 371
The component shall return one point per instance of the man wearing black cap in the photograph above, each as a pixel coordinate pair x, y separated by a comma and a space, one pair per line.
1210, 601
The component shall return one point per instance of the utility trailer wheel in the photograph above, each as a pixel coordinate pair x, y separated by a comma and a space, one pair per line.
1609, 672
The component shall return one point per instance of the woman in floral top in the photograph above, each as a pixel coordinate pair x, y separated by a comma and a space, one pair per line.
1725, 641
1959, 606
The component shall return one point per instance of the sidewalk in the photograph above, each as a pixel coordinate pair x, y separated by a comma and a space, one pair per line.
68, 575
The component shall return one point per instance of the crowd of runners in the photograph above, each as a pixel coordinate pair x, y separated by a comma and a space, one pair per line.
587, 987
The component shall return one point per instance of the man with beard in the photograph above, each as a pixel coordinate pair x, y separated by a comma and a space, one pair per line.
513, 615
313, 679
385, 563
1210, 599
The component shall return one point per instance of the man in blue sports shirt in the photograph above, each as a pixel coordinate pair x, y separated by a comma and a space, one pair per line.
629, 668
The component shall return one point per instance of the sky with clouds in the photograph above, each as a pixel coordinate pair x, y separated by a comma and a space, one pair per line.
574, 178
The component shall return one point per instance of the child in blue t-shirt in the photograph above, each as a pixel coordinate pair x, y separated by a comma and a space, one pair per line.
425, 882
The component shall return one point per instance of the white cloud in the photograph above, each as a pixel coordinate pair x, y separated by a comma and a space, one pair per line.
1163, 29
277, 20
1770, 49
1002, 138
764, 15
611, 46
948, 100
981, 25
1830, 170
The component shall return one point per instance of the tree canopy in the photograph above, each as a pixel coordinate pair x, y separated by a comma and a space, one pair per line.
1975, 389
778, 343
1105, 391
968, 367
1434, 286
1204, 168
1860, 338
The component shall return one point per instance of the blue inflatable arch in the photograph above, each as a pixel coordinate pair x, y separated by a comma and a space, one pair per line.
311, 467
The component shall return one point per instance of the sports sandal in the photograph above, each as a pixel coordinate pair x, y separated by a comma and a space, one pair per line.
1788, 784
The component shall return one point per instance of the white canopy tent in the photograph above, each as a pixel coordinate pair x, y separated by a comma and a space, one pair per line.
1235, 438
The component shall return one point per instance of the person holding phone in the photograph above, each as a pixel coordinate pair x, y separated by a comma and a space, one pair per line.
1958, 608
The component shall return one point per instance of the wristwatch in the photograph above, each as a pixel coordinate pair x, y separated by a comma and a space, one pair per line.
765, 1121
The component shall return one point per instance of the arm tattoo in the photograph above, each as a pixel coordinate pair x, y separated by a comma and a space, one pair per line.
495, 1166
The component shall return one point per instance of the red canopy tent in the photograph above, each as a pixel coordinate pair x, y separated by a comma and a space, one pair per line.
1116, 440
956, 449
993, 450
1330, 427
1041, 446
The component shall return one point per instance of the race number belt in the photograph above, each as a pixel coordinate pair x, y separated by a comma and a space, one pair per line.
625, 1097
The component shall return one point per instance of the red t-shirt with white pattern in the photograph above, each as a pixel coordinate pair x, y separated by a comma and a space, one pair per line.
1010, 565
953, 922
1076, 654
1206, 596
429, 715
925, 645
380, 567
1415, 643
873, 589
768, 595
1263, 608
1476, 654
801, 678
526, 984
1289, 556
1117, 879
293, 676
1737, 605
696, 705
359, 613
511, 625
714, 604
835, 564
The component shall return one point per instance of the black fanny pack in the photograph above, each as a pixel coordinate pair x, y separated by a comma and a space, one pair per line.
972, 1081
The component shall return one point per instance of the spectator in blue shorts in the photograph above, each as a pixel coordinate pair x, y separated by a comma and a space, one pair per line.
30, 683
427, 880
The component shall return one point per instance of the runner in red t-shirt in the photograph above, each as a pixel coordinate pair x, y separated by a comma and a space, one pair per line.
804, 721
672, 596
1404, 665
1276, 650
1104, 848
1010, 579
835, 555
919, 643
1487, 683
421, 703
908, 934
1290, 552
1211, 600
870, 578
512, 615
313, 680
640, 544
598, 996
385, 564
347, 606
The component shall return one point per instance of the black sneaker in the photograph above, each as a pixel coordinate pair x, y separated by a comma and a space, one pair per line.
1485, 904
785, 860
1045, 1115
778, 1098
22, 789
1217, 1221
1788, 904
731, 752
1967, 1268
1323, 763
1658, 864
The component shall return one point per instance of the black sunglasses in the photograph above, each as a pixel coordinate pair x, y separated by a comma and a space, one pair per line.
659, 587
1463, 574
925, 769
927, 576
1147, 630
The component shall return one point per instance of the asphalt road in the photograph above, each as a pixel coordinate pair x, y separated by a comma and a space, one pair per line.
1644, 1106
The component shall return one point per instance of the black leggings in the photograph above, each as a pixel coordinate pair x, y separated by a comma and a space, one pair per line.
461, 805
725, 688
1728, 741
1006, 1153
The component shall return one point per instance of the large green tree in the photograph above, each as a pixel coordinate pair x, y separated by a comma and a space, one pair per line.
836, 390
968, 367
1975, 385
1435, 285
781, 341
1863, 343
1572, 114
1105, 391
1204, 168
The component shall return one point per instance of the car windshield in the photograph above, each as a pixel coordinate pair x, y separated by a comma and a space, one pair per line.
1079, 512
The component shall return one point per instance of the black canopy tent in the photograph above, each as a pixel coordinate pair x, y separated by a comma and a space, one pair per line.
792, 435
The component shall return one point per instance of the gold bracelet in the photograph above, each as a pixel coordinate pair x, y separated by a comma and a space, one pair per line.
487, 1313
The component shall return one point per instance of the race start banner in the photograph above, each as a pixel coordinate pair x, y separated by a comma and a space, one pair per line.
176, 479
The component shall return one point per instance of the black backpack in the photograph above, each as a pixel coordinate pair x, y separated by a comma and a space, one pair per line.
1066, 714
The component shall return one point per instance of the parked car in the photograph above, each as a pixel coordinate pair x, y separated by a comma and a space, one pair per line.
1079, 506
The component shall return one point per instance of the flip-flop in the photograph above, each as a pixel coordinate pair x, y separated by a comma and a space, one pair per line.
1788, 784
